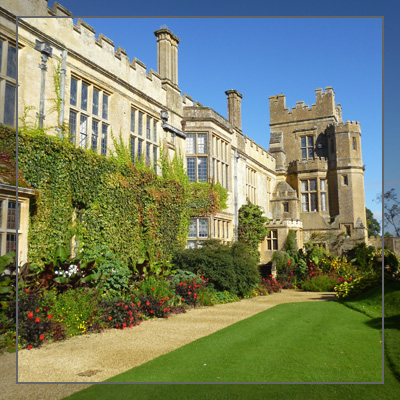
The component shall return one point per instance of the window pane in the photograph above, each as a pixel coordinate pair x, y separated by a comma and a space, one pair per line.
72, 125
190, 144
310, 141
74, 91
133, 149
154, 130
155, 158
140, 123
275, 244
12, 62
95, 102
9, 105
191, 168
269, 245
105, 106
313, 184
203, 228
148, 153
132, 120
201, 144
104, 139
314, 205
304, 202
95, 134
148, 132
140, 145
83, 132
323, 202
11, 241
84, 95
322, 184
202, 169
192, 228
303, 142
304, 186
310, 152
12, 215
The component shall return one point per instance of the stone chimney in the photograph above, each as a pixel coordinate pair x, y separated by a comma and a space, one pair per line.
234, 109
167, 54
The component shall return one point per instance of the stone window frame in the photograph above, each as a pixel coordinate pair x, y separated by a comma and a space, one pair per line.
7, 80
320, 191
96, 141
285, 206
251, 184
220, 160
354, 143
5, 228
272, 239
221, 228
345, 180
307, 147
196, 236
145, 144
197, 168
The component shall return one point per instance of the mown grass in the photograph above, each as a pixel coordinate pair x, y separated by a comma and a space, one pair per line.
298, 342
370, 303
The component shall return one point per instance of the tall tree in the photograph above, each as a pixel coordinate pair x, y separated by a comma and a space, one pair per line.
374, 227
251, 229
391, 210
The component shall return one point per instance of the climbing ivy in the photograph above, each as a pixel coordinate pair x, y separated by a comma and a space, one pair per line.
141, 217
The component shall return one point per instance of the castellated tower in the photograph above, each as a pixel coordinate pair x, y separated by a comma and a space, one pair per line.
319, 156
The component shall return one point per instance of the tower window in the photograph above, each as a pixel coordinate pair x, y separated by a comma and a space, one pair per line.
354, 143
307, 147
285, 206
345, 180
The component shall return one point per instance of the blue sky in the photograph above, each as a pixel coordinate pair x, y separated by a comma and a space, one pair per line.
261, 57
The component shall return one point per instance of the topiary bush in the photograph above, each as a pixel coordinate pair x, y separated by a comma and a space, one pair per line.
232, 268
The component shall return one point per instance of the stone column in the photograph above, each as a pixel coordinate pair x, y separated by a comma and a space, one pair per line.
235, 109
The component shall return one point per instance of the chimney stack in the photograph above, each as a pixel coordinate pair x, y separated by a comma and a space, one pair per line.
235, 109
167, 54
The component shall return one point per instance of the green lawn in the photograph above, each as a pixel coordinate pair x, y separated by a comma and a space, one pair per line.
299, 342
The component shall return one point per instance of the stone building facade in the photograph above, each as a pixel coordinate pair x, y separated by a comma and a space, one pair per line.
310, 180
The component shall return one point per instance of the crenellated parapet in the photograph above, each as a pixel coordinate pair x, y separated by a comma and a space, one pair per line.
95, 49
348, 126
254, 150
324, 107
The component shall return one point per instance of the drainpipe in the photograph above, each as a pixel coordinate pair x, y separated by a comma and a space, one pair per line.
235, 183
46, 52
63, 72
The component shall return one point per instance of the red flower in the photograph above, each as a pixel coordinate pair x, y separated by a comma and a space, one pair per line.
123, 325
152, 288
37, 319
147, 303
118, 304
30, 315
29, 346
27, 291
49, 316
131, 325
189, 292
151, 311
138, 303
270, 276
109, 318
37, 310
41, 337
182, 299
126, 307
288, 262
167, 298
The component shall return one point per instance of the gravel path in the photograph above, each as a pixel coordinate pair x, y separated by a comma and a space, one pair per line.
94, 358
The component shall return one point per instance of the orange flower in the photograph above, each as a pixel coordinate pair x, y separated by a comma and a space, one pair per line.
41, 337
109, 318
37, 319
30, 315
29, 346
49, 316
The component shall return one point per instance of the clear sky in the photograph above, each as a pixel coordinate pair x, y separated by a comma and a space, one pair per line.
261, 57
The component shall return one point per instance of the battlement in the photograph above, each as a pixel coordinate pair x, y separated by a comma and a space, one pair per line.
253, 148
324, 107
348, 126
81, 40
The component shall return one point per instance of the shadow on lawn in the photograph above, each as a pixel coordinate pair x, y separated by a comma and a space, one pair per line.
392, 322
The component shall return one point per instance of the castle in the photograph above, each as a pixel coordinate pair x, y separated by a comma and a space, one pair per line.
310, 180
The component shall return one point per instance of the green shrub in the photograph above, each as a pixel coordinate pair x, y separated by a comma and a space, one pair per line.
281, 259
232, 268
357, 286
319, 283
291, 243
364, 256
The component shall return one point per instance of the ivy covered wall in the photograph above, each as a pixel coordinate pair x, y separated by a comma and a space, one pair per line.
99, 200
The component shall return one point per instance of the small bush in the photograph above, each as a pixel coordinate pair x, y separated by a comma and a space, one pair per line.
232, 268
357, 286
319, 283
271, 285
281, 258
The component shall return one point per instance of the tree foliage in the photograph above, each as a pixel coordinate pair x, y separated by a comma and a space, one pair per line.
374, 227
251, 228
391, 210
